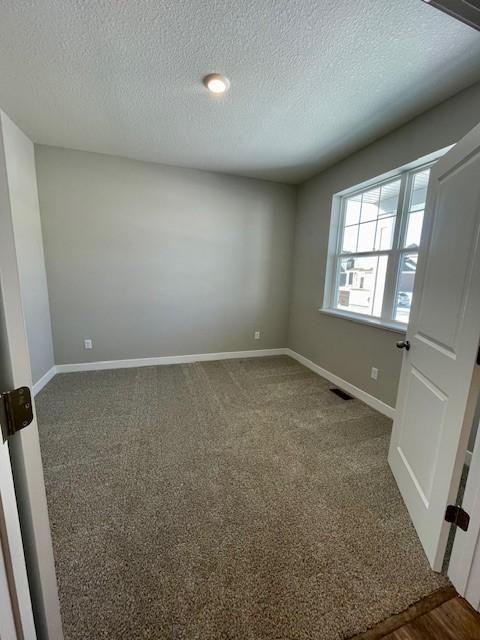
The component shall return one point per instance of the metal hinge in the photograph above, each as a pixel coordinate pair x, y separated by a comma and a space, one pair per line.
16, 411
457, 516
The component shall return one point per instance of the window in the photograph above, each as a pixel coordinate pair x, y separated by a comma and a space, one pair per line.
374, 251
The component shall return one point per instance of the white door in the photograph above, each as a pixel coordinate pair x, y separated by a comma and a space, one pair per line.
23, 449
429, 437
16, 617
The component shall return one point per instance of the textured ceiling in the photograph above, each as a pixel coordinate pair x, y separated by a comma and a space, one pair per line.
312, 80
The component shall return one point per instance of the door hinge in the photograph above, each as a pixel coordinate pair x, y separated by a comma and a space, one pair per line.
16, 411
457, 516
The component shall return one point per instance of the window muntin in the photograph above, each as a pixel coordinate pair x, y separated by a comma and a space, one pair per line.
378, 240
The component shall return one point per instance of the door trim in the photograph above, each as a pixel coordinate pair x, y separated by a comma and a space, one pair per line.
24, 446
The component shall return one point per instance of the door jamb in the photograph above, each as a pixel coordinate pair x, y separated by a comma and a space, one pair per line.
25, 445
464, 565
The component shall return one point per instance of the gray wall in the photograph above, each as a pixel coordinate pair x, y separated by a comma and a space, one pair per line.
343, 347
22, 184
149, 260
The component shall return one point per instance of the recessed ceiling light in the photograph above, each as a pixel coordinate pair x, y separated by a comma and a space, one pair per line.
216, 83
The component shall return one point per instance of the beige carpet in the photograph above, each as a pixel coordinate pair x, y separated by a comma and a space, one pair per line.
231, 500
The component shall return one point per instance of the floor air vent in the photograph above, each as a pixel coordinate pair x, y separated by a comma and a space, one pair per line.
341, 394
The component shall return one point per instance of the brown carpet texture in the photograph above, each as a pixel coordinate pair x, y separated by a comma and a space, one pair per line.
237, 500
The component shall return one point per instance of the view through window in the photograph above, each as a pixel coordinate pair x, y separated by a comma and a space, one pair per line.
378, 243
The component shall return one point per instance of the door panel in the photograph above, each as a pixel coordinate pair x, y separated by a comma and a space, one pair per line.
419, 454
429, 439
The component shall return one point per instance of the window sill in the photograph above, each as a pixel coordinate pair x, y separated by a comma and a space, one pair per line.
371, 322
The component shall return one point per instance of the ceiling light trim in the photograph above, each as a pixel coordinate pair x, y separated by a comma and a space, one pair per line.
216, 84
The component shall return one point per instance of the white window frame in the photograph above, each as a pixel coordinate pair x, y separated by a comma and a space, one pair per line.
386, 319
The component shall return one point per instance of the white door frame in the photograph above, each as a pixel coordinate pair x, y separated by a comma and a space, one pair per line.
16, 615
464, 565
24, 446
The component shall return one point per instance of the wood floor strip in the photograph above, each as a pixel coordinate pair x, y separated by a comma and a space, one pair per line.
453, 620
416, 610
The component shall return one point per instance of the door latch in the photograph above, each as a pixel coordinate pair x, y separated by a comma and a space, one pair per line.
457, 516
16, 411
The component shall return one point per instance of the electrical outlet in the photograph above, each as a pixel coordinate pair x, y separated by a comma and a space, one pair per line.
88, 343
256, 335
374, 373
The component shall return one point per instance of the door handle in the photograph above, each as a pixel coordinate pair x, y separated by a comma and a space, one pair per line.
403, 344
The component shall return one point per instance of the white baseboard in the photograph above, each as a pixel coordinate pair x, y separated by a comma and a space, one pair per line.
44, 380
161, 360
373, 402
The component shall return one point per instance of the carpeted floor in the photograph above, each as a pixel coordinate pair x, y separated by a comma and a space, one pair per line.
233, 500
